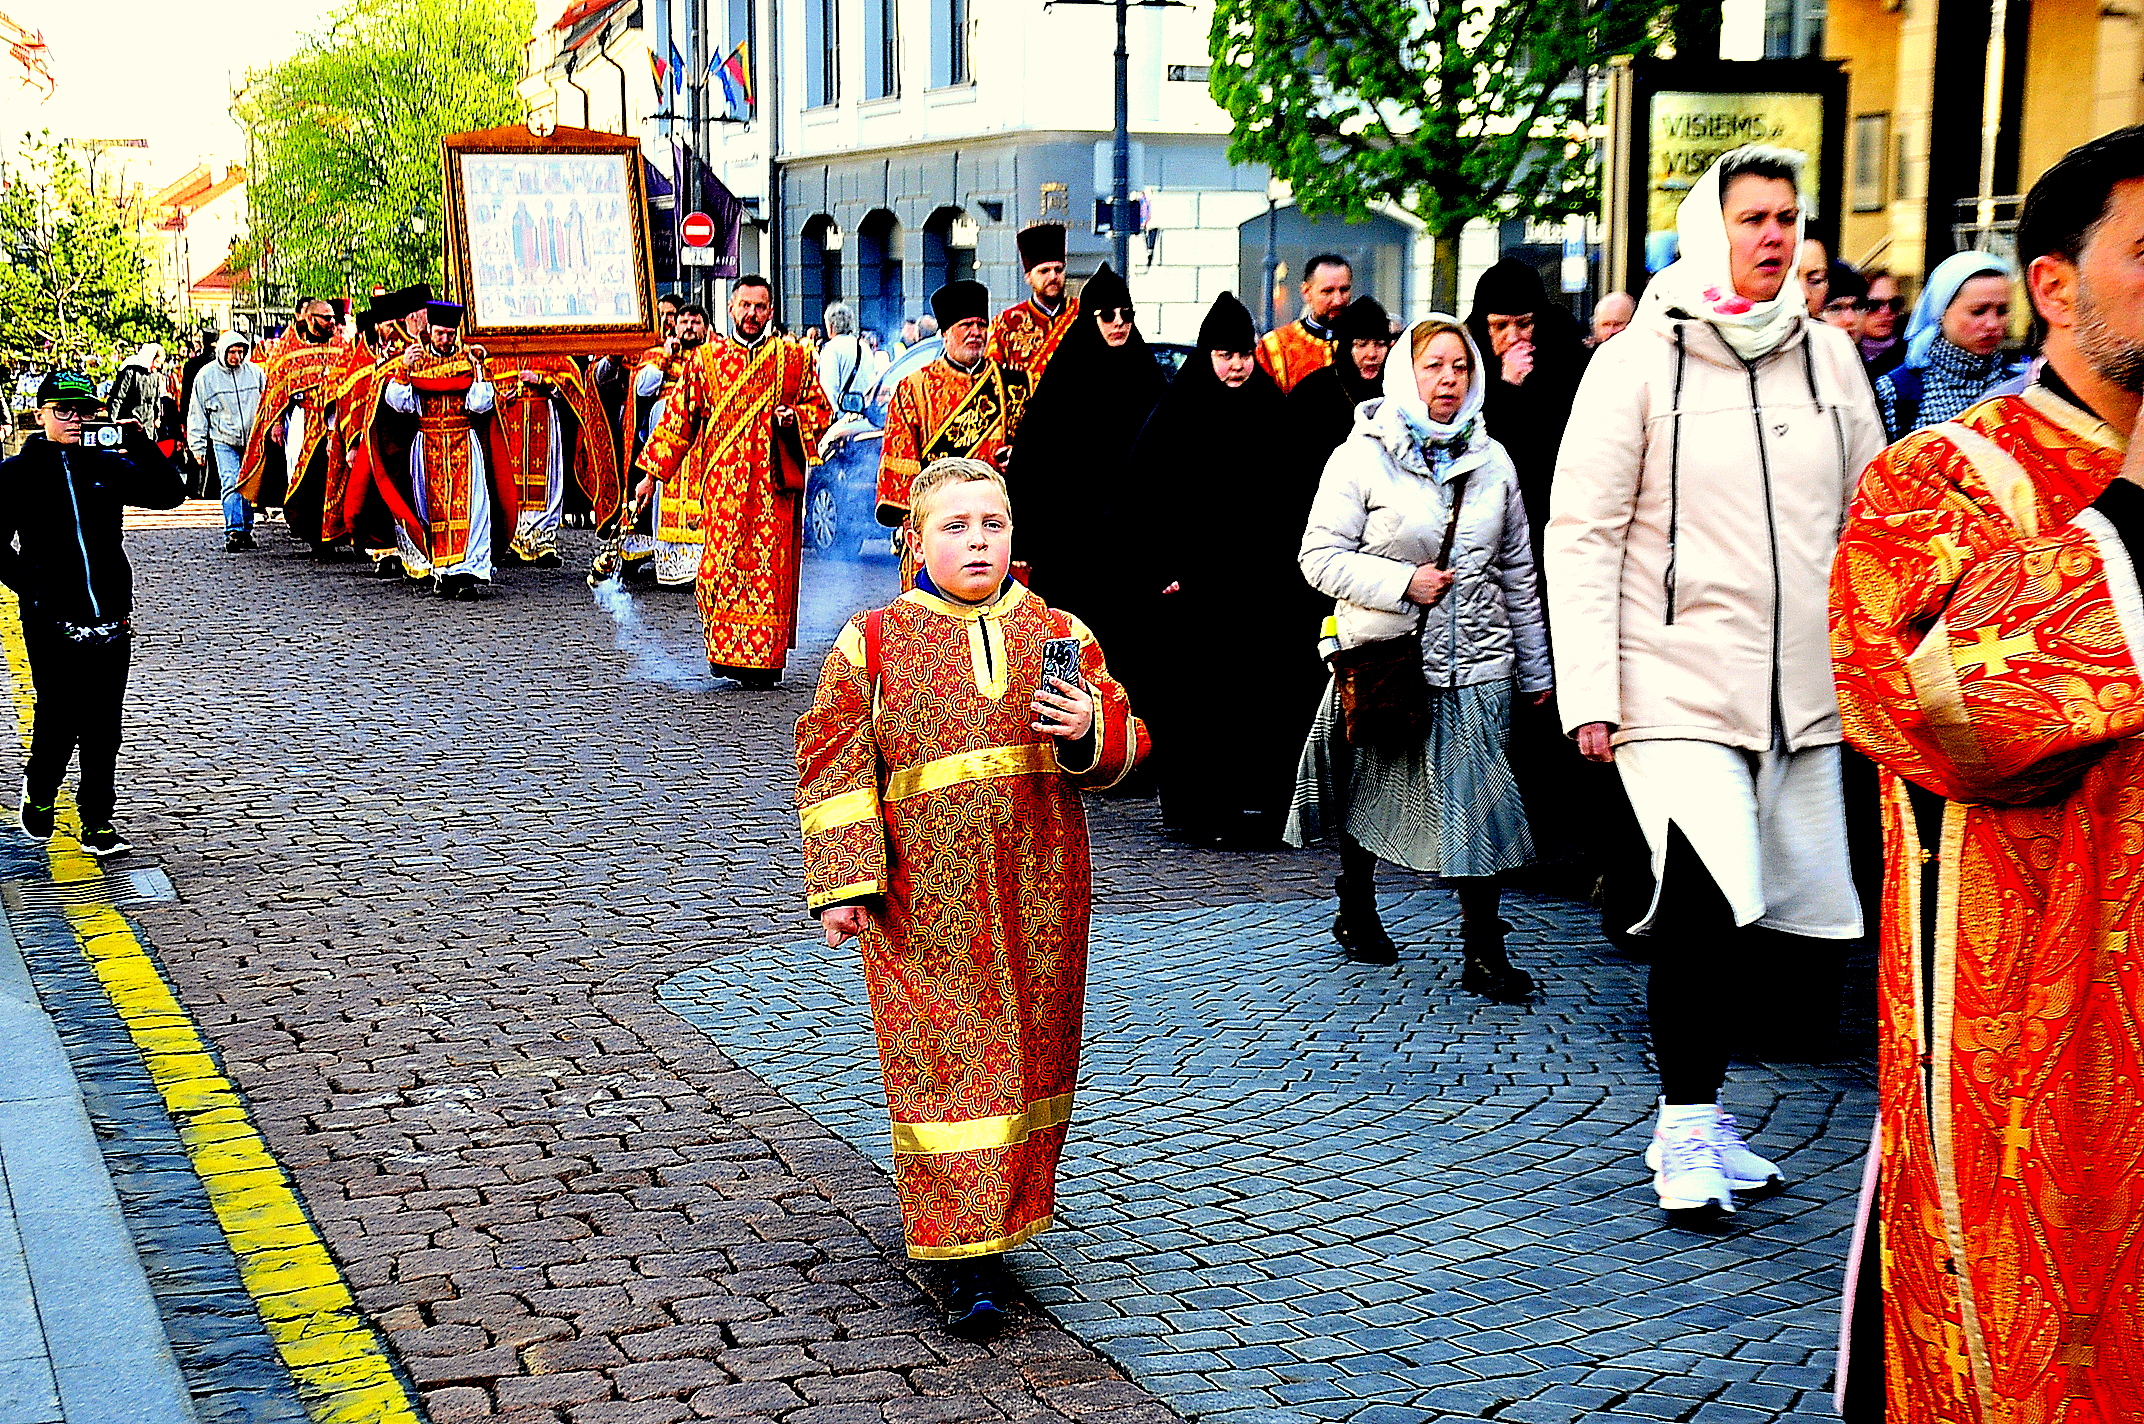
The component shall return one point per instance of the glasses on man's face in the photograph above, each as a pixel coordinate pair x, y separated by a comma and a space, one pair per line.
68, 412
1113, 313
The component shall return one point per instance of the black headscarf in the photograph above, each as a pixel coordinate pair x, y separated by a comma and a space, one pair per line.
1068, 457
1322, 405
1528, 419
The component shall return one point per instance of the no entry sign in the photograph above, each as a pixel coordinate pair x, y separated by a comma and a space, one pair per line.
697, 230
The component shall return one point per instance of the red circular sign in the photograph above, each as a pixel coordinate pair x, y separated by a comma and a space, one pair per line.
697, 230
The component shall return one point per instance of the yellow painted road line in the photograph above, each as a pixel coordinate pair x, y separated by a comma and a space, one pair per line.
337, 1358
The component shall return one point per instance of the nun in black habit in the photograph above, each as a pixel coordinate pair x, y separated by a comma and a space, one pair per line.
1238, 671
1069, 464
1322, 405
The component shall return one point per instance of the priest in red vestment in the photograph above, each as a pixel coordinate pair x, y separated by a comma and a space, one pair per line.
547, 426
295, 421
735, 440
938, 781
961, 406
1306, 344
1987, 630
452, 487
1025, 337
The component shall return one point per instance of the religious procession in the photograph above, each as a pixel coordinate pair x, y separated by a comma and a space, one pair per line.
1303, 802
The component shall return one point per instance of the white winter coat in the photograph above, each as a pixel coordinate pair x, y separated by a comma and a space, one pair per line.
1697, 503
1379, 513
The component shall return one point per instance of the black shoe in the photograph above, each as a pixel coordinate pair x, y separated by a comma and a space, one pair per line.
548, 561
1489, 972
1357, 927
105, 842
976, 1297
236, 543
473, 589
36, 820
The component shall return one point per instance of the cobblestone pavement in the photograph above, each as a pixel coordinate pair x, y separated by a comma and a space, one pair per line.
1297, 1190
444, 869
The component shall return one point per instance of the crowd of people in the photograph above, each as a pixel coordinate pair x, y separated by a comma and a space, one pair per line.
1762, 554
1755, 525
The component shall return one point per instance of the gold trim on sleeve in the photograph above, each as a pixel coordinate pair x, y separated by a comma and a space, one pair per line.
980, 765
848, 809
981, 1134
855, 891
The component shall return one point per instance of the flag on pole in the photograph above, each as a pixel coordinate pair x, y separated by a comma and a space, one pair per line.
735, 72
662, 74
677, 70
29, 51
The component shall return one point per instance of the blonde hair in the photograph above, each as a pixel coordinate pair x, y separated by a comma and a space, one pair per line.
1428, 331
939, 474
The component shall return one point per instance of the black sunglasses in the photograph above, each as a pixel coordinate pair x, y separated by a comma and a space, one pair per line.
1891, 304
1113, 313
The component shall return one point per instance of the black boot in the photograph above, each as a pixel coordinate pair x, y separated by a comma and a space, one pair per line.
1356, 926
977, 1293
1489, 972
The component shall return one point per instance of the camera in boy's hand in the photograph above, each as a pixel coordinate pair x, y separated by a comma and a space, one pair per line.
102, 434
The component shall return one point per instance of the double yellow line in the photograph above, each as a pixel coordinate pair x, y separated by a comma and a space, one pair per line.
339, 1361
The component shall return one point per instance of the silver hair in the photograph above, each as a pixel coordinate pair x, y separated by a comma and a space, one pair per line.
1761, 160
840, 320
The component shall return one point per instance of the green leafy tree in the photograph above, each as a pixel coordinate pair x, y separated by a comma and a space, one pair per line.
344, 184
1448, 109
77, 279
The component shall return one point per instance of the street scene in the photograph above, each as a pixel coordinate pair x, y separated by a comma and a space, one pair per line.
1207, 712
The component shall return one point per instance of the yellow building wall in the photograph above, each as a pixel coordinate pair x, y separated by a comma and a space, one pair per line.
2059, 65
1864, 33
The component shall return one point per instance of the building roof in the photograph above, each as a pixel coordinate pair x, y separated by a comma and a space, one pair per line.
218, 283
177, 200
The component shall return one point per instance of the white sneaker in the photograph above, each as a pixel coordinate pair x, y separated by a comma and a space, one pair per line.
1746, 1171
1688, 1171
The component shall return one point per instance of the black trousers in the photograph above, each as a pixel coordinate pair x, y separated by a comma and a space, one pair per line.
1714, 988
81, 693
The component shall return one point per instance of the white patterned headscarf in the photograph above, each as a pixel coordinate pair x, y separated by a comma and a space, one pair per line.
1699, 281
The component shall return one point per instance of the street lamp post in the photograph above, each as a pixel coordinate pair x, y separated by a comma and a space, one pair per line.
1120, 155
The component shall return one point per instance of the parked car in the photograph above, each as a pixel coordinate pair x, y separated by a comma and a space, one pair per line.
1170, 356
841, 496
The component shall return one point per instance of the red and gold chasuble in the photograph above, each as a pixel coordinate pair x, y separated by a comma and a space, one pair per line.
447, 436
1985, 627
299, 370
353, 399
521, 434
1292, 352
960, 827
715, 446
941, 412
1025, 337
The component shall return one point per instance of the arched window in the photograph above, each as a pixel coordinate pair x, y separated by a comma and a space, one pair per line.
948, 249
878, 274
819, 269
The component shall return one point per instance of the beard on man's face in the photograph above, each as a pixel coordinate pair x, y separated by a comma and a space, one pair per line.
2115, 358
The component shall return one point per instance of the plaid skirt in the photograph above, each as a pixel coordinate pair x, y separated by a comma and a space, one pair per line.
1448, 807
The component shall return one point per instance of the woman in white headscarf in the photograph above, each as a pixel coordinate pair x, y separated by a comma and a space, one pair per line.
1383, 543
1698, 498
1954, 345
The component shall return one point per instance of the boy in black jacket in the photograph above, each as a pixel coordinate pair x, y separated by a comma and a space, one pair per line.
60, 513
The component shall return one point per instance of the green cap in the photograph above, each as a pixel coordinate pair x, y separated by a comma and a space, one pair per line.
67, 388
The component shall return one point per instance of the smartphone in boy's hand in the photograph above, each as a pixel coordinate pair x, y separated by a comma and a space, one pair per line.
1060, 659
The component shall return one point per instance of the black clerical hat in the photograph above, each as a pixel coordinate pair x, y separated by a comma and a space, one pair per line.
1228, 326
960, 301
393, 306
1044, 242
1105, 291
447, 314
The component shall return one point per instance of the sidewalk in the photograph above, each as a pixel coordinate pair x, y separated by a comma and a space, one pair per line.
81, 1341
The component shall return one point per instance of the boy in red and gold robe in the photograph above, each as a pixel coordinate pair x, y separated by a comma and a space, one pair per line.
294, 417
961, 406
1987, 630
1025, 337
938, 785
735, 440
